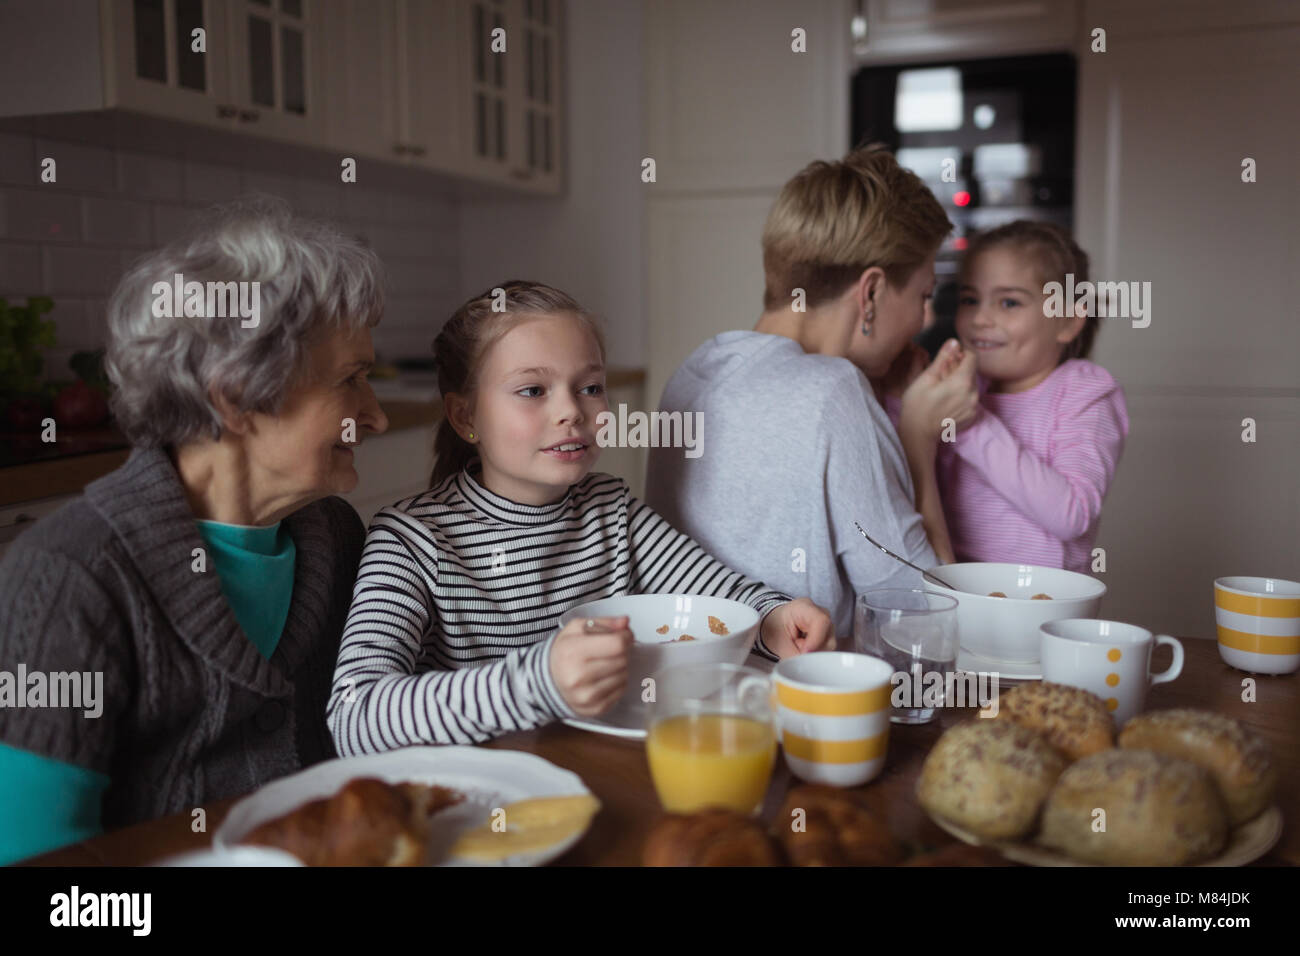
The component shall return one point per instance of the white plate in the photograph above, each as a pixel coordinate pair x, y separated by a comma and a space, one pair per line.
971, 662
1246, 843
488, 779
236, 856
598, 725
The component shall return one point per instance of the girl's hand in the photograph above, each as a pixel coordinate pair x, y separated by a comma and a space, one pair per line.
947, 389
589, 665
797, 628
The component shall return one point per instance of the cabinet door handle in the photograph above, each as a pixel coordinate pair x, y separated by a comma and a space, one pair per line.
401, 149
226, 112
249, 116
416, 150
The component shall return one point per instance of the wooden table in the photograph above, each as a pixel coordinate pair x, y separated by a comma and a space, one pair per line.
616, 771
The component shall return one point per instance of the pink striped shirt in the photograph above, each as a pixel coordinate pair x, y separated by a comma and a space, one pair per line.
1025, 482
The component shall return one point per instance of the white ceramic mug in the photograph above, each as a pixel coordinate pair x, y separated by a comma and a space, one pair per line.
833, 710
1258, 621
1111, 659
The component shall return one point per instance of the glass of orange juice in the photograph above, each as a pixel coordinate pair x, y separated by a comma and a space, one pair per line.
711, 740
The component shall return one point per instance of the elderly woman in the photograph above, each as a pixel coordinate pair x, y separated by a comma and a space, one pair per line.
207, 580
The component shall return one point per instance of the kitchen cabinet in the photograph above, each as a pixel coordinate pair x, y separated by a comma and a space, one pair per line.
151, 66
274, 76
432, 67
896, 31
359, 42
416, 82
391, 467
730, 107
514, 97
256, 71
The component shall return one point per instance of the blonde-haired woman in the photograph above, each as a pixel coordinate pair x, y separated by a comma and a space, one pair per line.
799, 445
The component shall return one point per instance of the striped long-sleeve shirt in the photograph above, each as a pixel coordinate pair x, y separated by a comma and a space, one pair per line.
458, 599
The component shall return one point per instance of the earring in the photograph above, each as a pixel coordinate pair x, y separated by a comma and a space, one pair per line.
471, 436
867, 319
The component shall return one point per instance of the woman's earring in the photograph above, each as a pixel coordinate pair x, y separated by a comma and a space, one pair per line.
867, 319
471, 436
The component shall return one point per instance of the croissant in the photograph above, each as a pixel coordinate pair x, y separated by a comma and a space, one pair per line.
711, 838
835, 830
367, 823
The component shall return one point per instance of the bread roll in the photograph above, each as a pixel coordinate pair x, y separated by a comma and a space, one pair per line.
1238, 758
990, 777
369, 822
1074, 721
1159, 811
710, 838
834, 830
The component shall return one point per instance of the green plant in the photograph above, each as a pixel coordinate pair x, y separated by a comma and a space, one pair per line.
89, 367
24, 335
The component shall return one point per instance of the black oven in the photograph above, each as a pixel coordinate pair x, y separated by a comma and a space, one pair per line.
992, 138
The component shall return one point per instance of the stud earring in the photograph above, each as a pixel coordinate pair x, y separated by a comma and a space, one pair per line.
471, 436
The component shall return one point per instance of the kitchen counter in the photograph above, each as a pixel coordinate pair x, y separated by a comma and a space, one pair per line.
82, 463
96, 452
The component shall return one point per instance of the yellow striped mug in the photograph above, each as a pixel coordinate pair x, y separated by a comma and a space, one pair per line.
1259, 624
833, 712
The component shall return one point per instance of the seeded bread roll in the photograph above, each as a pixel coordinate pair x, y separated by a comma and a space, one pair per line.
1159, 811
1074, 721
1237, 758
990, 777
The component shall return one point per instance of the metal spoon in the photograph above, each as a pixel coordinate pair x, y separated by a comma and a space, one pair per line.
924, 573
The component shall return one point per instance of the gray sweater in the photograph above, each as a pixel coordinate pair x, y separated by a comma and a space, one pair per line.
192, 712
795, 450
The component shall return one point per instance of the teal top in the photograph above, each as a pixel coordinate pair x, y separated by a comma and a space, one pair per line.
47, 803
255, 567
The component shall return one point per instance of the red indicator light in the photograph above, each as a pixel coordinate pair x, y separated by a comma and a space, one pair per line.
961, 198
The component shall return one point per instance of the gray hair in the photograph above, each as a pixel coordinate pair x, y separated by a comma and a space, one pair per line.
165, 368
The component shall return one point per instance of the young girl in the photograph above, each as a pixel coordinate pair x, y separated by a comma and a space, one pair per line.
452, 637
1025, 481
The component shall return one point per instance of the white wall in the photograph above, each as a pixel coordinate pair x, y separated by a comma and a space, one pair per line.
1166, 117
732, 112
590, 241
127, 185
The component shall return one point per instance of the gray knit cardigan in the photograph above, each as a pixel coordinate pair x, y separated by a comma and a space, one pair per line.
192, 712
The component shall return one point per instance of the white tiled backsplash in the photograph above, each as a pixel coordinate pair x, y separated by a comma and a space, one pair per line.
71, 240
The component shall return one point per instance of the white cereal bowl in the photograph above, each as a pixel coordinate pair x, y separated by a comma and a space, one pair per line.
1006, 629
652, 652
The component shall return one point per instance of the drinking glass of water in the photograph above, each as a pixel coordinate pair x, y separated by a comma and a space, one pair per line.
915, 632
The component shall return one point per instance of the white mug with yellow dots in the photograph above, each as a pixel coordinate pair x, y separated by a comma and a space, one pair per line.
1111, 659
